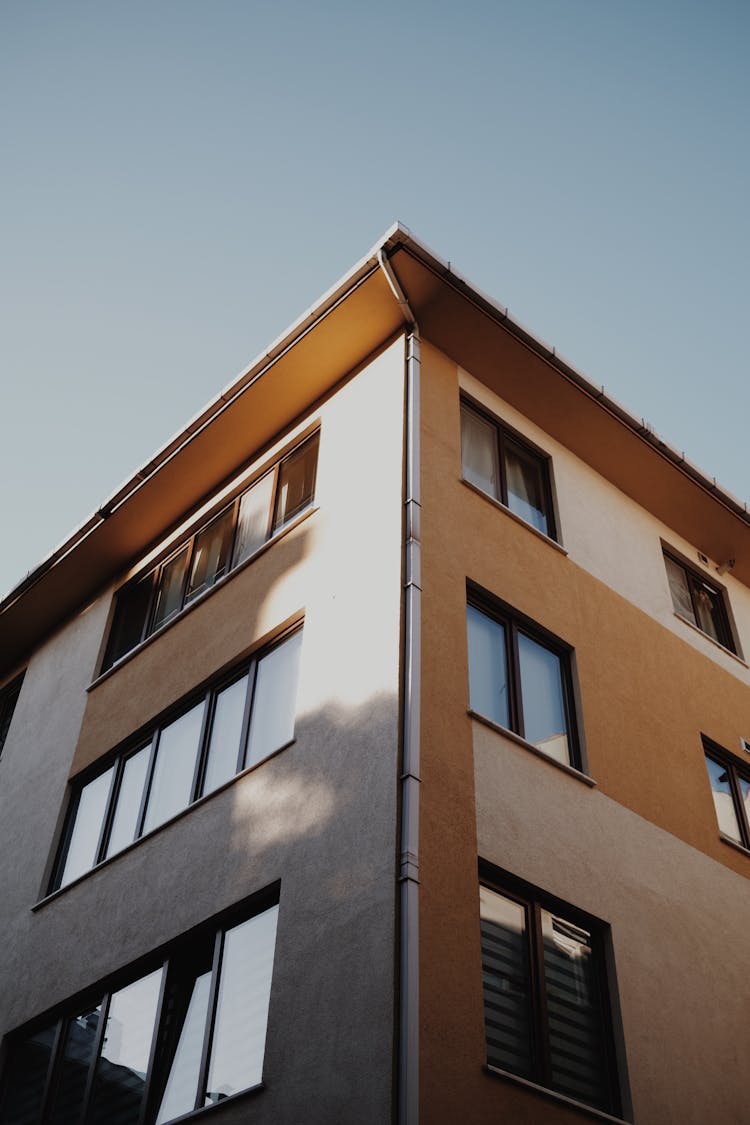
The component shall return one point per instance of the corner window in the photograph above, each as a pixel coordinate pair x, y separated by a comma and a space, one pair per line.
546, 1007
236, 724
698, 601
520, 678
730, 787
507, 468
231, 537
187, 1034
8, 699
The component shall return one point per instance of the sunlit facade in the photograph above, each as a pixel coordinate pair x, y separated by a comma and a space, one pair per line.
376, 754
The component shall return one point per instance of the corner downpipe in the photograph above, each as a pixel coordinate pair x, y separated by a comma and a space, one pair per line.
408, 874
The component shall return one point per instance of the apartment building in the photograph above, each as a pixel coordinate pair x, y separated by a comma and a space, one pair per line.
376, 753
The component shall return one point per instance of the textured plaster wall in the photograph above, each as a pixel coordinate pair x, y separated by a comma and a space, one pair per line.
320, 816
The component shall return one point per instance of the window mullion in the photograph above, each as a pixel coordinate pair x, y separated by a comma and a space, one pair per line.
95, 1057
235, 525
274, 501
155, 1039
147, 785
514, 680
502, 471
188, 568
53, 1068
252, 679
150, 607
539, 993
208, 1033
201, 757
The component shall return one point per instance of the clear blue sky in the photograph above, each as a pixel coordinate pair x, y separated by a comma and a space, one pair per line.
180, 180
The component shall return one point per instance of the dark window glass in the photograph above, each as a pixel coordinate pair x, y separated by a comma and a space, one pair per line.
507, 469
730, 788
231, 537
8, 699
186, 758
521, 682
26, 1069
189, 1033
699, 602
546, 1010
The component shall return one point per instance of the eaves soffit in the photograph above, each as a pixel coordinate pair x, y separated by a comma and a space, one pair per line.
337, 335
480, 337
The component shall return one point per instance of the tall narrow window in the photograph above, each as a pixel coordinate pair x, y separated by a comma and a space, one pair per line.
730, 788
237, 723
521, 680
507, 468
228, 540
546, 1007
8, 699
188, 1033
698, 601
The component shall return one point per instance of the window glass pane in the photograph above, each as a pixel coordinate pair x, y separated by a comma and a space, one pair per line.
708, 609
226, 730
26, 1069
242, 1007
130, 619
488, 673
506, 983
176, 754
84, 839
678, 587
210, 559
169, 589
77, 1054
479, 452
274, 700
125, 820
576, 1026
181, 1092
525, 484
8, 699
253, 518
745, 795
121, 1068
723, 800
543, 700
296, 487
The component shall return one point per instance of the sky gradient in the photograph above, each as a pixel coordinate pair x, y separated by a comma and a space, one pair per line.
181, 180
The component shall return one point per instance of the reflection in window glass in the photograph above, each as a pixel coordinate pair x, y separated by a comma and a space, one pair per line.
84, 840
26, 1068
296, 486
242, 1007
226, 731
506, 983
210, 554
542, 698
479, 452
708, 610
123, 1061
253, 518
274, 700
77, 1054
174, 769
125, 821
181, 1092
488, 675
723, 800
169, 592
525, 486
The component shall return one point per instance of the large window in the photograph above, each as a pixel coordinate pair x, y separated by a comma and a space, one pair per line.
187, 1033
229, 539
234, 725
507, 468
8, 699
546, 1009
698, 601
520, 679
730, 786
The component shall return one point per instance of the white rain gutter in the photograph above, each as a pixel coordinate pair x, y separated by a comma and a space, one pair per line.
408, 872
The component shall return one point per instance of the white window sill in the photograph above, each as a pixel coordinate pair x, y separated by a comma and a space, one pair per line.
553, 1095
579, 775
517, 519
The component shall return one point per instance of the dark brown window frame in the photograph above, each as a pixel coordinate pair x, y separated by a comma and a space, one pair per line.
151, 577
504, 434
147, 738
694, 576
514, 622
735, 770
9, 694
533, 900
162, 957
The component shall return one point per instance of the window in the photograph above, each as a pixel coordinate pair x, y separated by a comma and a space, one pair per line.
546, 1006
8, 699
229, 539
730, 786
698, 601
235, 725
507, 468
187, 1034
519, 678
